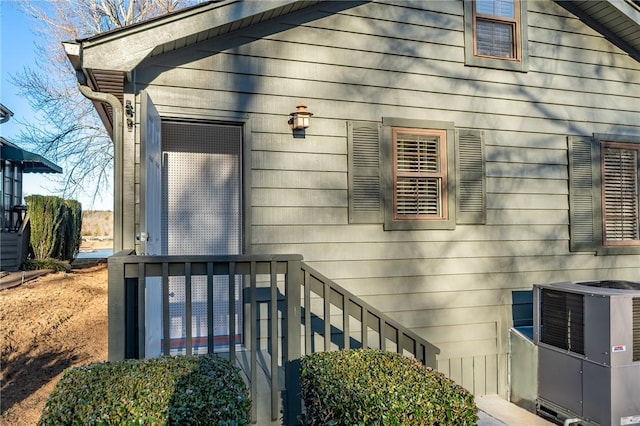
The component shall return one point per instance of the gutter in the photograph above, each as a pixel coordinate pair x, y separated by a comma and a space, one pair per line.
117, 138
74, 53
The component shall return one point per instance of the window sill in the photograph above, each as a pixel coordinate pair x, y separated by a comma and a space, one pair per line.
617, 250
498, 64
416, 225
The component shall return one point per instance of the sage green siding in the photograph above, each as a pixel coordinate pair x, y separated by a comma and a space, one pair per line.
406, 59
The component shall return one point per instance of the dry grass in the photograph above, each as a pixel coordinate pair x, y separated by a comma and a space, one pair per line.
97, 223
46, 326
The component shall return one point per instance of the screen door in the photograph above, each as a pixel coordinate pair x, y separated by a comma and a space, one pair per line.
202, 215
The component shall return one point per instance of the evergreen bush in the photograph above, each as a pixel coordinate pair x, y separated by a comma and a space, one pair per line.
46, 215
56, 227
184, 390
72, 232
370, 387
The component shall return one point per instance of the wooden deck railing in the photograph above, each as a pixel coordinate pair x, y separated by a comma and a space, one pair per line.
289, 310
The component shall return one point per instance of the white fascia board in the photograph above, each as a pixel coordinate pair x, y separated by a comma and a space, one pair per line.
628, 8
124, 49
72, 50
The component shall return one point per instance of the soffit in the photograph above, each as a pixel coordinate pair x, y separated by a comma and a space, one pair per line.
618, 20
125, 48
106, 59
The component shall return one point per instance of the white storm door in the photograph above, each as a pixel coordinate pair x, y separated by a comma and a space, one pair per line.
151, 226
151, 129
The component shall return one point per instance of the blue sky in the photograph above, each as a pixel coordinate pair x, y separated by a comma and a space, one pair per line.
17, 50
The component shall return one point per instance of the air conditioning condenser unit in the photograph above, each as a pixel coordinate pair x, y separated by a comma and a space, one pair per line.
588, 338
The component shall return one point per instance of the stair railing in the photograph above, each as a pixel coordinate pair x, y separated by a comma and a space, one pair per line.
306, 312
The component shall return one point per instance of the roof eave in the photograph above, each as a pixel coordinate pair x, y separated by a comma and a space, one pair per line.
617, 20
105, 61
124, 49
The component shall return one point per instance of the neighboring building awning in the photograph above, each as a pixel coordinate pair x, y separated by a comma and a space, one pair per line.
5, 114
33, 163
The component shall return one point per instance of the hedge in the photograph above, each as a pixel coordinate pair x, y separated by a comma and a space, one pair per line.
193, 390
56, 227
370, 387
72, 232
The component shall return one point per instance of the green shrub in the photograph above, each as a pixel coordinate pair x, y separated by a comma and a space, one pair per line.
56, 227
370, 387
71, 235
205, 390
47, 216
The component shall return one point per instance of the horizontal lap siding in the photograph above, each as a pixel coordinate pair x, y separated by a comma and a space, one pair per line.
407, 60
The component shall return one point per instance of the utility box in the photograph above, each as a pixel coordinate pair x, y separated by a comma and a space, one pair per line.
588, 338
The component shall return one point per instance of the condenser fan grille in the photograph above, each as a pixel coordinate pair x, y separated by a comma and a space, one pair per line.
562, 320
636, 328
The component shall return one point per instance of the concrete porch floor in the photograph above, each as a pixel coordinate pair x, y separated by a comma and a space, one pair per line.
495, 411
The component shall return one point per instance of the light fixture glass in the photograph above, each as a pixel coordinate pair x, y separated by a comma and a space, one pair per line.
301, 118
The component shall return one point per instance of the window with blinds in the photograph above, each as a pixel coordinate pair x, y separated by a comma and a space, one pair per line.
419, 158
496, 28
620, 199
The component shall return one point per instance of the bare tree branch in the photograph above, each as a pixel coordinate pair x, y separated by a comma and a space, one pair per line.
67, 128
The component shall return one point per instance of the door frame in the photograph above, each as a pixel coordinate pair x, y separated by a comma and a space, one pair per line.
245, 121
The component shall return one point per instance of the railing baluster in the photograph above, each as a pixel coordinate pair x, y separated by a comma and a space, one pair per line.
188, 309
327, 317
166, 320
396, 333
210, 329
383, 340
142, 338
364, 328
232, 311
346, 301
255, 342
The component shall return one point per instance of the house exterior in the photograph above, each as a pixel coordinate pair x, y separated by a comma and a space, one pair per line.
457, 152
15, 229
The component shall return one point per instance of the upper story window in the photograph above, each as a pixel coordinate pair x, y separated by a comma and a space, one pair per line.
496, 28
604, 194
495, 34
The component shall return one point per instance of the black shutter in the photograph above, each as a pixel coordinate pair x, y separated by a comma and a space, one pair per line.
470, 183
584, 194
365, 198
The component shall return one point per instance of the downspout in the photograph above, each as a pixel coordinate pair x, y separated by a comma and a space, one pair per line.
117, 138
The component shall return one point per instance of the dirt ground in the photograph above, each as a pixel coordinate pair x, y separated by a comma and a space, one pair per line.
47, 325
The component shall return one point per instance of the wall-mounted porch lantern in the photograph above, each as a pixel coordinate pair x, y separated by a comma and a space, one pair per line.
301, 118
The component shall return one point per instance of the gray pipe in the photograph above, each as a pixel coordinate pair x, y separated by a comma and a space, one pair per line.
117, 138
